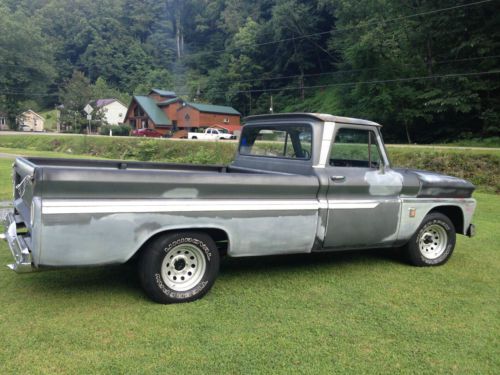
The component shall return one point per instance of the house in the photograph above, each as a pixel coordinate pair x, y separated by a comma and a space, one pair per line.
198, 115
163, 111
32, 120
113, 111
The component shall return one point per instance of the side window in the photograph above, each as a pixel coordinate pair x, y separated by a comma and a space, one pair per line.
293, 142
355, 148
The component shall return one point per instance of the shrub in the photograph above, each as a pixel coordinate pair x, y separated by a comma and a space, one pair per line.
121, 130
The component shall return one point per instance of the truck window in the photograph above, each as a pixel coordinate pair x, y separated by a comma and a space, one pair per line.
355, 148
293, 142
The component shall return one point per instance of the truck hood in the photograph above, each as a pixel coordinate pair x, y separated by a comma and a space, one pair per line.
435, 185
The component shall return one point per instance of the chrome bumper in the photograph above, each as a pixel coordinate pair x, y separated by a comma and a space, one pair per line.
18, 244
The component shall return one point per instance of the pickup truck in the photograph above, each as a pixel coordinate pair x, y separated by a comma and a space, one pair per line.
300, 183
212, 134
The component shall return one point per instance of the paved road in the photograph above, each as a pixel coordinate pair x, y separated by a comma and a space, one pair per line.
9, 156
447, 147
5, 207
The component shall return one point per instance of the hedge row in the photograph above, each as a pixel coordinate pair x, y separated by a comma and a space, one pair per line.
482, 167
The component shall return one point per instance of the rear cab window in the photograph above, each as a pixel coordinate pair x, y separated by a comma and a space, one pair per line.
277, 141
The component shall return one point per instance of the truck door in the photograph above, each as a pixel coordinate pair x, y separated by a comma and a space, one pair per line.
363, 193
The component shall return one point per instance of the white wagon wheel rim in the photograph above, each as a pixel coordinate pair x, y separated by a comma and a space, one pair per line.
432, 241
183, 267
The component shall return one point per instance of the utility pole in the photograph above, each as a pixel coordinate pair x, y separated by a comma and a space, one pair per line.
271, 106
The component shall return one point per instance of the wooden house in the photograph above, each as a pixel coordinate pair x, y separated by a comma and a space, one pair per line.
163, 111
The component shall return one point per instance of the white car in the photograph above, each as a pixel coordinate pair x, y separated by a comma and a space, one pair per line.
212, 134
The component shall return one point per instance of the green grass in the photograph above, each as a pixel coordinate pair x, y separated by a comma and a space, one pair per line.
476, 142
5, 179
363, 312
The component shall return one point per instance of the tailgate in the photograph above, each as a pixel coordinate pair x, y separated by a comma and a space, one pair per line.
24, 173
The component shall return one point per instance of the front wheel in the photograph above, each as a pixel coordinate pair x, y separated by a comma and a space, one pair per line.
433, 243
179, 267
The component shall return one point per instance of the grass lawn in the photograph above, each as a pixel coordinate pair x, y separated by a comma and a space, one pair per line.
363, 312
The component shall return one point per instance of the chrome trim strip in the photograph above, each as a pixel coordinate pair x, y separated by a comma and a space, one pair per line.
350, 204
50, 207
79, 206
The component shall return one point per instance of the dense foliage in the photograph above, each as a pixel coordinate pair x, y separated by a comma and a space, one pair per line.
425, 69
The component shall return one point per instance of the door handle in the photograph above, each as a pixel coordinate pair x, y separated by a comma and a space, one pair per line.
337, 178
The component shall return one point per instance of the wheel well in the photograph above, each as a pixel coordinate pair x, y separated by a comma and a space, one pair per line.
219, 236
453, 213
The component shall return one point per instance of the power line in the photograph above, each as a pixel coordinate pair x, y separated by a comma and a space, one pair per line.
353, 83
337, 72
444, 76
319, 74
332, 31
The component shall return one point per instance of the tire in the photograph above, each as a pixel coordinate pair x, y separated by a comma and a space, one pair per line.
433, 243
194, 137
179, 267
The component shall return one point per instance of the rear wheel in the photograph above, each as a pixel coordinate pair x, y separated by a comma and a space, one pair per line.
179, 267
433, 243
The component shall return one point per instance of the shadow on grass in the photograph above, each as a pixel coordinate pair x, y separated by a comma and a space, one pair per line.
294, 262
123, 279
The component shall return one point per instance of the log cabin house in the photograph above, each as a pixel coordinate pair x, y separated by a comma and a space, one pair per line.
166, 113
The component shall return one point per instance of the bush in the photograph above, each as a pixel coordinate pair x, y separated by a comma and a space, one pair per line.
121, 130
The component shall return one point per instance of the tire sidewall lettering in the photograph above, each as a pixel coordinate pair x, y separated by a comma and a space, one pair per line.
449, 244
197, 288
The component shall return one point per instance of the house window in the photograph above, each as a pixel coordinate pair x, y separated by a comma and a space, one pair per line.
226, 120
138, 112
187, 117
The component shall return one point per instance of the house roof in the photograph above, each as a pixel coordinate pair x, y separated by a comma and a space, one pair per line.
152, 110
169, 101
36, 114
164, 92
102, 102
210, 108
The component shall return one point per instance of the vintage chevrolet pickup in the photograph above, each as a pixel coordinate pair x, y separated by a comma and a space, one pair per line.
300, 183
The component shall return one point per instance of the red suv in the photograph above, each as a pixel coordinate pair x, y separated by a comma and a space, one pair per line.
146, 132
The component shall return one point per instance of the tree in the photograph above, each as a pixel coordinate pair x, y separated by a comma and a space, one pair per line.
101, 90
25, 62
75, 94
381, 43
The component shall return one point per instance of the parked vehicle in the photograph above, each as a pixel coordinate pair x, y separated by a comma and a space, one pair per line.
24, 128
300, 183
146, 132
212, 134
